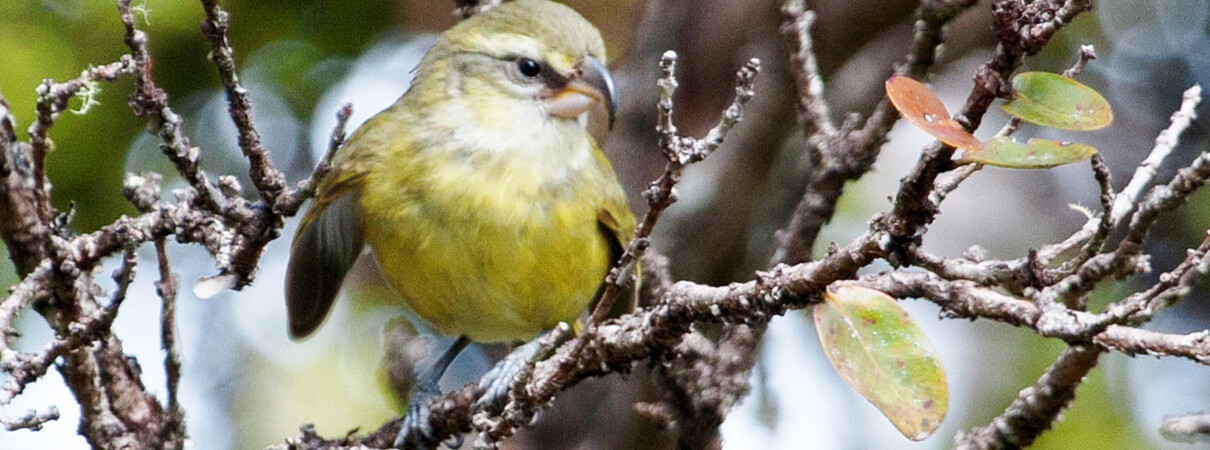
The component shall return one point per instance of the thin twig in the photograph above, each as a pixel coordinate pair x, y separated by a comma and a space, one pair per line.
1137, 341
813, 109
1165, 143
680, 151
173, 433
52, 100
150, 103
270, 183
25, 368
1009, 275
31, 420
1036, 407
1187, 427
949, 181
292, 200
31, 288
1172, 285
1087, 53
1106, 224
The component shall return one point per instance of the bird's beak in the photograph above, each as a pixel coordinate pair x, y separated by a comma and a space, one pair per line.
591, 84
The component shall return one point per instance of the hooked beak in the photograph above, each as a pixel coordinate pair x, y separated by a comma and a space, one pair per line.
590, 85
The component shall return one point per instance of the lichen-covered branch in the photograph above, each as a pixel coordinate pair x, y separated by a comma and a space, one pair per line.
680, 151
56, 264
270, 183
174, 431
1037, 291
25, 368
293, 200
1137, 341
1036, 407
813, 110
1190, 428
838, 155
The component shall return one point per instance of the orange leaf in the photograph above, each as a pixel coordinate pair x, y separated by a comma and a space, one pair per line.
920, 106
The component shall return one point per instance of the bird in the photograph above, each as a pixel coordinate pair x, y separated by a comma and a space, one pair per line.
488, 206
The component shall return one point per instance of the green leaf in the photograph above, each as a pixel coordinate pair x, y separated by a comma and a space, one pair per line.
881, 352
1035, 154
920, 106
1056, 101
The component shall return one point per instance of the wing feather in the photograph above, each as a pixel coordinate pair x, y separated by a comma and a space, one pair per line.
616, 223
325, 248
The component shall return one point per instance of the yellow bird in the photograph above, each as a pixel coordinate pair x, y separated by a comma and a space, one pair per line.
487, 204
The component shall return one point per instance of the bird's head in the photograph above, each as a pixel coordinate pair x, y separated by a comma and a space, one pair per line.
524, 55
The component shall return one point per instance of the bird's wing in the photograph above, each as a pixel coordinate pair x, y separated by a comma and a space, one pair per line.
328, 241
616, 223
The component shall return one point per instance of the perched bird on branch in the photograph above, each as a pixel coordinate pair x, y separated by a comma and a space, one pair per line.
487, 204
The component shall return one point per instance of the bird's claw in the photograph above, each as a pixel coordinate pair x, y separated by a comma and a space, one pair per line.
417, 431
496, 384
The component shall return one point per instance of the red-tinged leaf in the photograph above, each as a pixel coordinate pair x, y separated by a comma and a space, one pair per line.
1055, 101
920, 106
1035, 154
881, 352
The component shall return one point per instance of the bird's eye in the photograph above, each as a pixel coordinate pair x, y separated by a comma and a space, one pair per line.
528, 67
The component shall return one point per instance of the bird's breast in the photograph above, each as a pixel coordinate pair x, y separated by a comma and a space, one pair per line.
489, 244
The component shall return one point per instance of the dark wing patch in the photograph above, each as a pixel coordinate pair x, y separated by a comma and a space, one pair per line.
609, 228
324, 250
617, 237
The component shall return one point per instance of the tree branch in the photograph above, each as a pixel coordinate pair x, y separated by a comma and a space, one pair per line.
1187, 427
1036, 407
293, 200
57, 265
270, 183
680, 152
173, 434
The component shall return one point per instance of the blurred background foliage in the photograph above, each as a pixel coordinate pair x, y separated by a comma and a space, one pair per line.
246, 386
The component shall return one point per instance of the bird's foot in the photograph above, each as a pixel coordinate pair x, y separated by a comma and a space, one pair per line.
417, 431
496, 384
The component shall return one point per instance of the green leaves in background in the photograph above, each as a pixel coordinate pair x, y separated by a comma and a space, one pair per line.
1056, 101
881, 352
1036, 154
920, 106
